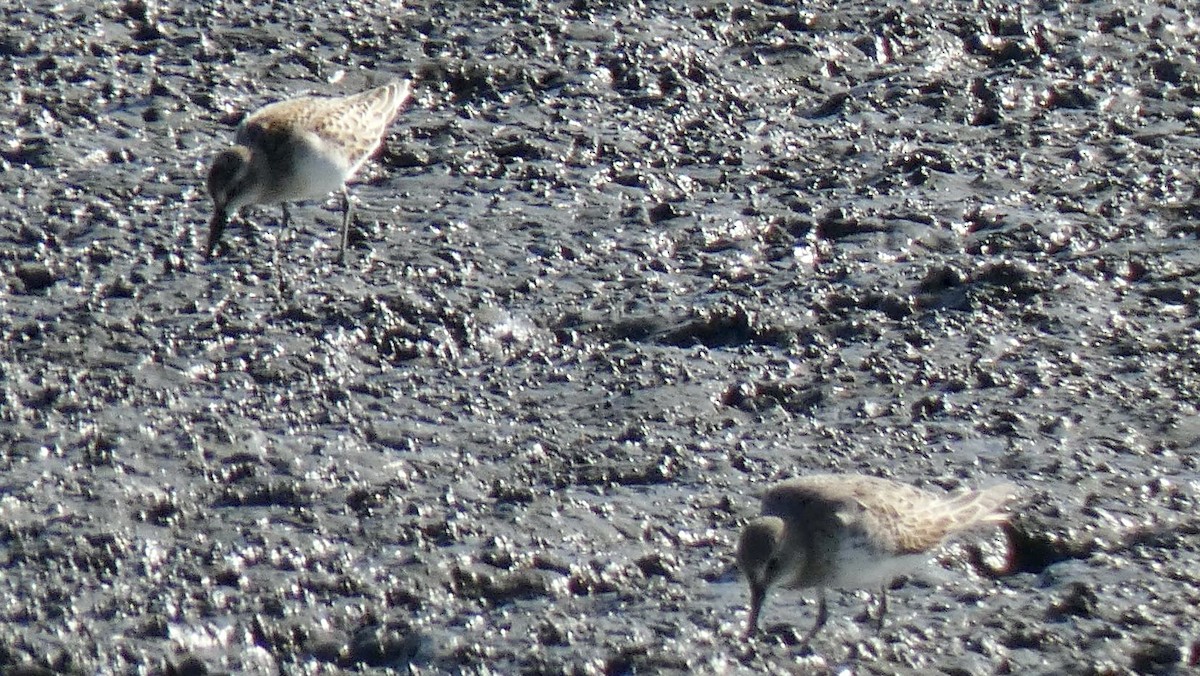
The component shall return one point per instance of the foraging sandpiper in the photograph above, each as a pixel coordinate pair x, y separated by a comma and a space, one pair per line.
301, 148
852, 531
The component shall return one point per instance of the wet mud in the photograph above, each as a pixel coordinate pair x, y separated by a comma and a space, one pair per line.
618, 268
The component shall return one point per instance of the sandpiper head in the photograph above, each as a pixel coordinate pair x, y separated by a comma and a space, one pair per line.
230, 184
761, 557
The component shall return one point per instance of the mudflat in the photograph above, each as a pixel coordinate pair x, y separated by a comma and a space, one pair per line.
618, 268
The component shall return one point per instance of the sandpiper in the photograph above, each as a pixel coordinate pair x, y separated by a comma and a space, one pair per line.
301, 148
852, 531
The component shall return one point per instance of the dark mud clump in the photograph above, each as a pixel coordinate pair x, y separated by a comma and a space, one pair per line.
618, 268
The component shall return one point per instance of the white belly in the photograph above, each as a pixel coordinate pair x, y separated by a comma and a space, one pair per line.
860, 566
317, 171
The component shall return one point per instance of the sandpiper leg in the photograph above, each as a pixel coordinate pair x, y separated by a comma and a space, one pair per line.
345, 238
822, 616
882, 608
278, 257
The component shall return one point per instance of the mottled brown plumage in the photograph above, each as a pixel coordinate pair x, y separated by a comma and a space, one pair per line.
850, 530
302, 148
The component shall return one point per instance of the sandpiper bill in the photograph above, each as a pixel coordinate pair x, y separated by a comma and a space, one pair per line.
302, 148
852, 531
